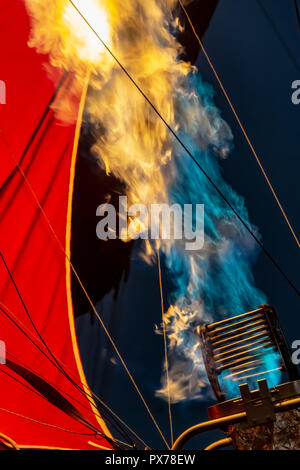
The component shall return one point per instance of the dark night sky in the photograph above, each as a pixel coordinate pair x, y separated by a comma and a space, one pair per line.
257, 73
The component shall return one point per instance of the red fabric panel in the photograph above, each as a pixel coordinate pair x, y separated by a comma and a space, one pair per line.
28, 86
32, 252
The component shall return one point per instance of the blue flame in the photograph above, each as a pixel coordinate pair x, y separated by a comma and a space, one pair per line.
227, 284
217, 281
268, 369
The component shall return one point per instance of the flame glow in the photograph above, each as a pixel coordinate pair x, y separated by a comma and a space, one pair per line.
88, 47
137, 148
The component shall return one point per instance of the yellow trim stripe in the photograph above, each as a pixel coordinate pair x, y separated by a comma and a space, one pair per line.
68, 258
9, 442
98, 446
45, 447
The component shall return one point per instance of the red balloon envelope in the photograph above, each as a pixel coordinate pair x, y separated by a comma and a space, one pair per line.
44, 399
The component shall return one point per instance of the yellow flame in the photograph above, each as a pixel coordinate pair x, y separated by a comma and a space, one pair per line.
88, 46
60, 31
136, 145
